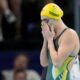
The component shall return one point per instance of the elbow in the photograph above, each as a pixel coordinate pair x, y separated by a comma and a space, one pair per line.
56, 64
44, 64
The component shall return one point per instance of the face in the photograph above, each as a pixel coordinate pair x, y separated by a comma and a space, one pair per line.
20, 62
50, 23
20, 76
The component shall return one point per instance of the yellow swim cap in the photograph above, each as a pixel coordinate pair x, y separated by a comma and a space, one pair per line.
52, 10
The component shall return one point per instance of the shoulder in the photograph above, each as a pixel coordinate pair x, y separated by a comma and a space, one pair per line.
70, 39
70, 32
70, 35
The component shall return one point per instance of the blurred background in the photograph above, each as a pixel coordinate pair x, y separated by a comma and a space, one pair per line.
20, 35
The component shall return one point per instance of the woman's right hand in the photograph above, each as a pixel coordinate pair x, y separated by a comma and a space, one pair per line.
43, 28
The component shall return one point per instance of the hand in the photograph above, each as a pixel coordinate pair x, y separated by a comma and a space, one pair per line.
43, 34
47, 33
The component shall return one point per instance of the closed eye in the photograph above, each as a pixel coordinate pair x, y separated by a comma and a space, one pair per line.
46, 20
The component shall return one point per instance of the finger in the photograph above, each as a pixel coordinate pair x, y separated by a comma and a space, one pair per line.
46, 33
43, 33
44, 36
46, 27
43, 29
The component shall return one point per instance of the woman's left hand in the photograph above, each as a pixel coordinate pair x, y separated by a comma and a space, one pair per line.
48, 34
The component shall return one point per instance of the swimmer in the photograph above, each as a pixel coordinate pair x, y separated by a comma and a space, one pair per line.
60, 46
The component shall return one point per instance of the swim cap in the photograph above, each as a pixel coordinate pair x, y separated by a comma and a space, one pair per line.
52, 10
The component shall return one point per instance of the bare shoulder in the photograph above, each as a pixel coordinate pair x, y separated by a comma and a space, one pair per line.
71, 32
70, 35
71, 40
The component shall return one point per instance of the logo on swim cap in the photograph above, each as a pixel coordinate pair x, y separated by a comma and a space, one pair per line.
52, 13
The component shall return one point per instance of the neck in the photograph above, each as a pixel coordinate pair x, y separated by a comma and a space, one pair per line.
59, 28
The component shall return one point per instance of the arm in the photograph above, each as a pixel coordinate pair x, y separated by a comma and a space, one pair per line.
66, 47
43, 54
67, 44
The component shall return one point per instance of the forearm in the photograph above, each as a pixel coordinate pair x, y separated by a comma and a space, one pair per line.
43, 55
53, 53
